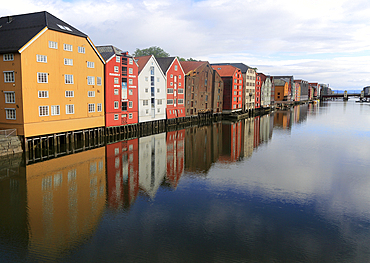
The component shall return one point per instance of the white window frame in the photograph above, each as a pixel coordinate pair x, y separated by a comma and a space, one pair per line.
9, 113
169, 102
69, 107
42, 76
130, 81
99, 107
180, 91
169, 91
9, 97
91, 107
116, 69
81, 50
90, 64
43, 111
90, 80
98, 81
130, 71
130, 61
9, 76
180, 101
68, 79
116, 117
43, 94
8, 57
67, 47
130, 92
116, 91
68, 62
54, 110
91, 93
130, 104
159, 102
116, 80
145, 102
118, 59
116, 105
69, 93
53, 44
41, 58
130, 116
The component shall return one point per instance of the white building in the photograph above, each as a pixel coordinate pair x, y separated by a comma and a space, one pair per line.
152, 90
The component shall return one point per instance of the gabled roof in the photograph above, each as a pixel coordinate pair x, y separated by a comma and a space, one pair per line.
279, 82
165, 63
16, 31
225, 70
188, 66
141, 61
244, 68
108, 51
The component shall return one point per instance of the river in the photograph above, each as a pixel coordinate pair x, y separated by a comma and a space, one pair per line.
290, 186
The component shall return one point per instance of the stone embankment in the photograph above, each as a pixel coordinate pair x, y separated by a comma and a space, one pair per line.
10, 145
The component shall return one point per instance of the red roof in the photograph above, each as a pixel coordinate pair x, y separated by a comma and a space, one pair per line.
225, 70
188, 66
141, 61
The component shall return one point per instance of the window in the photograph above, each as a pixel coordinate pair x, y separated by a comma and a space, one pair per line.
147, 112
169, 102
81, 50
99, 107
179, 76
130, 81
116, 104
116, 80
145, 103
175, 80
116, 117
130, 61
68, 79
171, 83
170, 91
130, 116
116, 69
90, 80
180, 91
64, 27
42, 77
98, 81
171, 76
146, 78
130, 92
159, 110
118, 60
43, 111
152, 71
124, 105
67, 47
116, 92
70, 109
70, 93
8, 57
53, 44
54, 110
146, 90
68, 61
180, 101
159, 102
130, 71
9, 96
175, 67
157, 90
43, 94
91, 93
179, 84
90, 64
10, 114
9, 76
157, 79
91, 107
41, 58
130, 104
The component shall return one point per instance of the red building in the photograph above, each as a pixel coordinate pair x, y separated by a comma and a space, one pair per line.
231, 142
122, 173
233, 87
121, 87
259, 80
256, 140
175, 86
175, 156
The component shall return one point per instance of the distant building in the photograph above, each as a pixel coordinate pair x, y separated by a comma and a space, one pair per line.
290, 81
53, 76
265, 89
281, 90
304, 89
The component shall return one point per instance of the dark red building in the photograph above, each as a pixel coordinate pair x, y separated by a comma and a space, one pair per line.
121, 87
122, 173
172, 69
231, 142
233, 87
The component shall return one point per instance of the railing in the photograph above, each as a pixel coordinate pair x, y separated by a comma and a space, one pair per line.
8, 132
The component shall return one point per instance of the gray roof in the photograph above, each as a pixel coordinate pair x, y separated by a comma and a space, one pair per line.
165, 63
108, 51
17, 30
243, 68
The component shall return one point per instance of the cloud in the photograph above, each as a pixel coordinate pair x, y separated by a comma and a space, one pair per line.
281, 37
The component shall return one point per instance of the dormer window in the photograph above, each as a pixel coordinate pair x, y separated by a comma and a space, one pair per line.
64, 27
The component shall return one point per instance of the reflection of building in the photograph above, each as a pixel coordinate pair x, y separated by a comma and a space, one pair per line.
122, 173
175, 156
282, 119
64, 199
152, 162
248, 137
202, 147
265, 128
231, 142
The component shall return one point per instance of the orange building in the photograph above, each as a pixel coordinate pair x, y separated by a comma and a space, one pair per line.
53, 76
281, 90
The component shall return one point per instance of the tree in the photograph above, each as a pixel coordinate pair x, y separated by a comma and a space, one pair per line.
154, 50
183, 59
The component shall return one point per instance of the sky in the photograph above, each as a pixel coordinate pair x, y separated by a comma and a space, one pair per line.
326, 41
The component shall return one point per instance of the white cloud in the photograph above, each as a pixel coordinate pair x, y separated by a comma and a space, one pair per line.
278, 36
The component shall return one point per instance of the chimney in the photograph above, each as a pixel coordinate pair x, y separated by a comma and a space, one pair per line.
10, 19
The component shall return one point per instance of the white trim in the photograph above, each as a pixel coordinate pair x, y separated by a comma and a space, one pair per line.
96, 51
32, 40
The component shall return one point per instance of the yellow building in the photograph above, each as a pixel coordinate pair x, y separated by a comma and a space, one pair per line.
53, 77
281, 90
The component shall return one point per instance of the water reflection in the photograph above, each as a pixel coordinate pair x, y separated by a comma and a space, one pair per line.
230, 191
